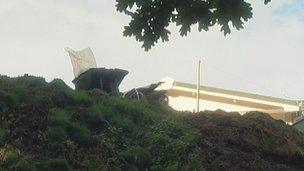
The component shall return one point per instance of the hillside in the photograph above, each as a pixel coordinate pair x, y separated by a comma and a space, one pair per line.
49, 126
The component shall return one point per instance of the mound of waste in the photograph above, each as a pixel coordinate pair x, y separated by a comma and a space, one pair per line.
49, 126
253, 141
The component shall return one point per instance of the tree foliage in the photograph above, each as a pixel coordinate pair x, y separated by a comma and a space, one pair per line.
151, 18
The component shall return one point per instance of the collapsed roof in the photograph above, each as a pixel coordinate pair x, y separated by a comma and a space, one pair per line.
104, 79
88, 76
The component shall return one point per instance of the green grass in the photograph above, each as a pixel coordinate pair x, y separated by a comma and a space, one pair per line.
134, 134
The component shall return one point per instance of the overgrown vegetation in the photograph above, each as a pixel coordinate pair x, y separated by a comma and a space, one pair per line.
56, 126
49, 126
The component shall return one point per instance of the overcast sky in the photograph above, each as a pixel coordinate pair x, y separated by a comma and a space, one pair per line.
266, 57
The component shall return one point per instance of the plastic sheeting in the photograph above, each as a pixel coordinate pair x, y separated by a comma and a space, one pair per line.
82, 60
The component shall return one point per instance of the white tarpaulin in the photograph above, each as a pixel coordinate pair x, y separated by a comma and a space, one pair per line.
82, 60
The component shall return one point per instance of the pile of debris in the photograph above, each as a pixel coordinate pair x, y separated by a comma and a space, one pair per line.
149, 93
89, 77
254, 141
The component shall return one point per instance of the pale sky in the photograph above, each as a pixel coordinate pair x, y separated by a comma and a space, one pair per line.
266, 57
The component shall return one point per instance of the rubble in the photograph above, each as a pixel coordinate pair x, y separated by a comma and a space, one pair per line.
149, 93
88, 76
107, 80
254, 141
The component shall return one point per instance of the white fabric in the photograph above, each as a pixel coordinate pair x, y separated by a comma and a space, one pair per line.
82, 60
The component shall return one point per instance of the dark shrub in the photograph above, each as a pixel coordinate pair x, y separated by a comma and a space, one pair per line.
79, 98
79, 133
2, 136
172, 144
137, 157
59, 117
139, 111
11, 157
23, 165
8, 100
94, 118
59, 92
58, 84
41, 100
123, 122
57, 133
58, 165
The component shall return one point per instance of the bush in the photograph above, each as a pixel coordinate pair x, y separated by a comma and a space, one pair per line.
79, 98
79, 133
123, 122
19, 91
41, 100
62, 126
53, 165
58, 84
59, 117
11, 157
58, 90
8, 100
23, 165
94, 118
29, 81
107, 114
137, 157
139, 111
121, 133
57, 134
172, 143
2, 136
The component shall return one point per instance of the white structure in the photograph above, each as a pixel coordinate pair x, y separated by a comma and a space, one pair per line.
182, 97
82, 60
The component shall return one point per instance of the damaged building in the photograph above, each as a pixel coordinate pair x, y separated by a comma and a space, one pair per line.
183, 97
88, 76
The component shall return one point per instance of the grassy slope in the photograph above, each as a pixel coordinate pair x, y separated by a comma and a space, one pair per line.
46, 126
